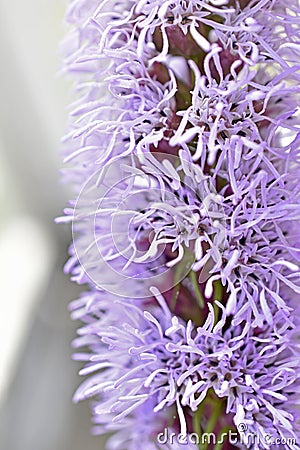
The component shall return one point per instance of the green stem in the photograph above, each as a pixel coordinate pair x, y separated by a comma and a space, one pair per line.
224, 430
175, 294
196, 421
218, 290
218, 295
194, 280
177, 279
212, 422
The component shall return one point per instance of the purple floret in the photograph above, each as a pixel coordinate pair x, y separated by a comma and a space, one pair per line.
183, 155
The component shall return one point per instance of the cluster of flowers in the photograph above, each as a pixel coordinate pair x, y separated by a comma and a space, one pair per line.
183, 153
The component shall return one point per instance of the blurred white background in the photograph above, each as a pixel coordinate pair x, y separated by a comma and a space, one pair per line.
37, 376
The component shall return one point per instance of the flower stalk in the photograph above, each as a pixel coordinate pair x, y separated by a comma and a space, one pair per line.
183, 152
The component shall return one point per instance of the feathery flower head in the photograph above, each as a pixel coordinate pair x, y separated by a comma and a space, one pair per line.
157, 359
139, 217
183, 151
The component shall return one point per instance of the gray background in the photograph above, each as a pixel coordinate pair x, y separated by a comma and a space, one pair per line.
37, 375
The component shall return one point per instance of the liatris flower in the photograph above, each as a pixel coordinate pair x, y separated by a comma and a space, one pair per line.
183, 154
154, 357
140, 208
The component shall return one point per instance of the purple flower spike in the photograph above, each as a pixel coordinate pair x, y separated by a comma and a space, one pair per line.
183, 155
